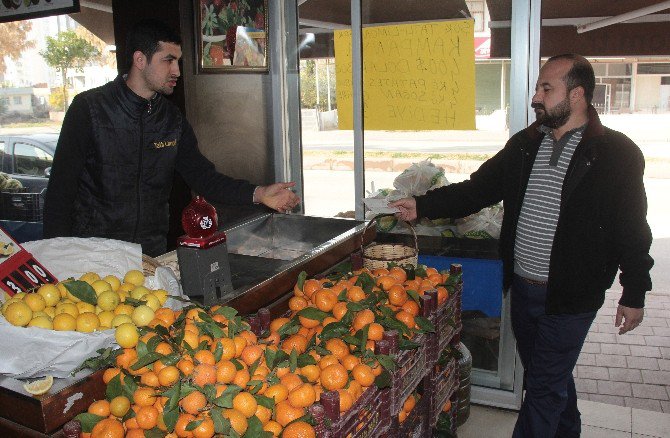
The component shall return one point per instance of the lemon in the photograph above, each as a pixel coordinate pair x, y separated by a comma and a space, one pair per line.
51, 311
126, 335
142, 315
119, 406
50, 293
39, 387
20, 314
39, 313
87, 322
35, 302
162, 295
108, 300
69, 308
135, 277
20, 295
90, 277
61, 288
123, 294
121, 319
152, 301
8, 302
113, 281
106, 318
127, 287
124, 309
41, 322
65, 322
84, 307
100, 286
139, 292
72, 298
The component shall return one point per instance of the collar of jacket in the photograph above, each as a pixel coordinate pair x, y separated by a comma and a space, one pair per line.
133, 103
594, 129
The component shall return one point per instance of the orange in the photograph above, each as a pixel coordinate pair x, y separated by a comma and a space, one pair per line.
240, 343
108, 428
299, 429
204, 374
328, 360
411, 307
447, 406
127, 358
166, 315
386, 282
442, 295
375, 332
242, 377
245, 403
204, 356
406, 318
402, 416
185, 365
350, 361
147, 417
337, 347
285, 413
251, 338
168, 376
346, 400
363, 375
164, 348
308, 322
363, 318
190, 339
435, 279
430, 271
412, 284
355, 294
193, 402
225, 371
302, 396
310, 286
237, 420
334, 377
277, 323
100, 407
397, 295
355, 389
324, 300
295, 342
379, 272
134, 433
339, 310
398, 273
110, 373
144, 396
119, 406
409, 404
182, 422
291, 381
327, 320
273, 427
311, 372
297, 303
251, 354
150, 379
204, 429
228, 348
263, 414
278, 392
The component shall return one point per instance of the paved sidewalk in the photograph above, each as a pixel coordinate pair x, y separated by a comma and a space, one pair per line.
631, 370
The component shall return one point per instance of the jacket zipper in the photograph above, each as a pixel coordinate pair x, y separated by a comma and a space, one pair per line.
139, 175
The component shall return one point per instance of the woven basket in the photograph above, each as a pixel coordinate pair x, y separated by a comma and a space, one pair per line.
379, 255
149, 265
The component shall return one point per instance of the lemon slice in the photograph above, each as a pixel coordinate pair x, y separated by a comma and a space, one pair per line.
39, 387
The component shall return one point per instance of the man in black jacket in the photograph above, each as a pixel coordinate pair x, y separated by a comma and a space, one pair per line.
120, 146
575, 213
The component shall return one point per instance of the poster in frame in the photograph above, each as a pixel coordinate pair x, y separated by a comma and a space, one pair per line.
232, 36
13, 10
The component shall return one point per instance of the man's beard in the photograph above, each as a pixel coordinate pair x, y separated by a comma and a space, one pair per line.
556, 117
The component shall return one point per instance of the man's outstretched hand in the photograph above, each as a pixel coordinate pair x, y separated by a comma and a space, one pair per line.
277, 196
630, 317
406, 207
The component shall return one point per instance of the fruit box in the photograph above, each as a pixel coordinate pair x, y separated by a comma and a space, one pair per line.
49, 412
441, 384
368, 417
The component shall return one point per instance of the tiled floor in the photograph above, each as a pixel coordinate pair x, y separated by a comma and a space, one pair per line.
631, 370
599, 420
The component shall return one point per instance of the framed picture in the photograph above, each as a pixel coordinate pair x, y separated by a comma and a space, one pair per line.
232, 35
12, 10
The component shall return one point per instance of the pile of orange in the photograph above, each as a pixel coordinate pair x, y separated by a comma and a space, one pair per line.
198, 372
408, 406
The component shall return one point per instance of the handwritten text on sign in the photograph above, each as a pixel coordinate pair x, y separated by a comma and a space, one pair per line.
415, 76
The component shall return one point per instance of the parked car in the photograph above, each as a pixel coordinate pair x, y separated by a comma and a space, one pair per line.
27, 158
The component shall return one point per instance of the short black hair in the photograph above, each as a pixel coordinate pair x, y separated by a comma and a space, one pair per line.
580, 75
145, 35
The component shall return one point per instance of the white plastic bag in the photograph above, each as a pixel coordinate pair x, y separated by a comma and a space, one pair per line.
29, 352
420, 177
482, 225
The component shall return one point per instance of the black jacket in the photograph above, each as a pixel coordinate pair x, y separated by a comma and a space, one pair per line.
602, 225
114, 166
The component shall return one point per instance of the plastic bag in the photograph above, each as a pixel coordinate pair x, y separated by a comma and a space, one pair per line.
419, 178
482, 225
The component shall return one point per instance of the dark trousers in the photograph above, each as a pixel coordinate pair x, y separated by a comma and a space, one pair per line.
549, 346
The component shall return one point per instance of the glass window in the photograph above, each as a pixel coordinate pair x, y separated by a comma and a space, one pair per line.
616, 69
17, 100
476, 9
30, 160
4, 100
653, 69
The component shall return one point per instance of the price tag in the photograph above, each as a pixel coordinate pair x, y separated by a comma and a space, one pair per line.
19, 270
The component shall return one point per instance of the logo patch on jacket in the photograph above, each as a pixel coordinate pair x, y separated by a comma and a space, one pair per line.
165, 144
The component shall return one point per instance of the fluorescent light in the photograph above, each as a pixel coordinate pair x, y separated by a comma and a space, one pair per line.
624, 17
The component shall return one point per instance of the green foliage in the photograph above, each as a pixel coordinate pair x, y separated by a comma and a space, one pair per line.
68, 50
308, 70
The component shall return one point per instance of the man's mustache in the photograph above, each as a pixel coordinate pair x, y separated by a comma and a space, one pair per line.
537, 106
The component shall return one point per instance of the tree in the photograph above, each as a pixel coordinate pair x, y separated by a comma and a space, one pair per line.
14, 40
68, 51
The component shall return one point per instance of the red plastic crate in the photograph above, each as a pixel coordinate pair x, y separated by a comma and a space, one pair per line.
441, 384
416, 423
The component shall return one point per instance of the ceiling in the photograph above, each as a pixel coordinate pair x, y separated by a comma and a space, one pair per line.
97, 17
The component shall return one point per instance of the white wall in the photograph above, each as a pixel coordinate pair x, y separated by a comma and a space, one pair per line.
647, 97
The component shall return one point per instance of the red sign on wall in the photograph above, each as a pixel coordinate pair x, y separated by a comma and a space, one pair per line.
482, 47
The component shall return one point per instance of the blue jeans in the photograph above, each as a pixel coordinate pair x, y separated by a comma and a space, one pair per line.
549, 346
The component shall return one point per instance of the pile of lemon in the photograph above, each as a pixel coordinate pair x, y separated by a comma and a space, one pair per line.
53, 307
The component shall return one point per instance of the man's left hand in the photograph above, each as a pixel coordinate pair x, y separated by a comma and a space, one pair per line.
631, 318
278, 196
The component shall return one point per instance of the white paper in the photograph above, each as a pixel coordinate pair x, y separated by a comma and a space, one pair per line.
29, 352
379, 205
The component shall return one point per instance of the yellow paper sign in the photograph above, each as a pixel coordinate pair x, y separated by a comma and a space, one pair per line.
415, 76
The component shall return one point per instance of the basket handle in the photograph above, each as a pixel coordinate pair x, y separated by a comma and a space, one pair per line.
374, 220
